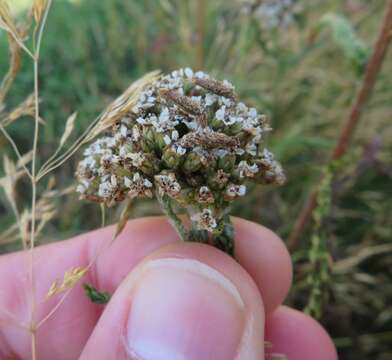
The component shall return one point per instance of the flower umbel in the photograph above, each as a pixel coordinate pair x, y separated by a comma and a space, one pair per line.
189, 140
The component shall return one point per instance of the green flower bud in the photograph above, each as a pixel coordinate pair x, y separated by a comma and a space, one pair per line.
148, 134
234, 129
216, 124
188, 86
192, 163
159, 141
217, 180
227, 162
145, 145
150, 165
170, 158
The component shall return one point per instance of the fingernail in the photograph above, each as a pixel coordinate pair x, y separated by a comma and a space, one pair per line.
184, 309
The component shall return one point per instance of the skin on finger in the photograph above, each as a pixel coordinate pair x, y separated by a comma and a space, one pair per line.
263, 254
258, 251
171, 307
298, 336
66, 332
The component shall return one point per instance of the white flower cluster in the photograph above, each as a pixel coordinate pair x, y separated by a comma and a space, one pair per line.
188, 140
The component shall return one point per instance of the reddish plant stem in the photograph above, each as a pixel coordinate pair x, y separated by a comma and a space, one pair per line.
372, 69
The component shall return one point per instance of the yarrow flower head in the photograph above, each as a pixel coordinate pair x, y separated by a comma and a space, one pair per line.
189, 140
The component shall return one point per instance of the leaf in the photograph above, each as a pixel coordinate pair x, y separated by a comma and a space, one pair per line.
95, 295
346, 38
69, 126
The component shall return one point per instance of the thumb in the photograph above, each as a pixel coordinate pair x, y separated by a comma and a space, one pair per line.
186, 301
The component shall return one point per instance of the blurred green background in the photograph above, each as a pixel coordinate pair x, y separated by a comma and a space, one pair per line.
302, 68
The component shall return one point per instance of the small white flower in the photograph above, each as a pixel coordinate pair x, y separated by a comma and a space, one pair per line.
113, 180
105, 189
137, 158
201, 75
241, 108
138, 186
168, 185
123, 151
251, 149
234, 190
253, 113
179, 149
228, 84
247, 170
210, 99
127, 181
164, 116
232, 120
124, 131
167, 139
147, 183
141, 121
205, 195
196, 99
88, 162
205, 220
220, 153
135, 133
81, 189
225, 101
188, 73
83, 186
175, 135
220, 114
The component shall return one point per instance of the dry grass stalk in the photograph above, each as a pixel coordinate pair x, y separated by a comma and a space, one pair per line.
15, 61
115, 111
26, 108
10, 235
71, 278
38, 9
7, 23
69, 126
123, 219
121, 106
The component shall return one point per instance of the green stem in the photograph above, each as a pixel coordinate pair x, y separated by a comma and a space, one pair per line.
225, 240
167, 207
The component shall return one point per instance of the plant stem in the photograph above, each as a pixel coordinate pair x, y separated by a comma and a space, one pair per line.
201, 20
165, 201
372, 70
36, 57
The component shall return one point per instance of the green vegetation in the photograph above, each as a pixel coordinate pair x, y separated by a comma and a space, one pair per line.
303, 75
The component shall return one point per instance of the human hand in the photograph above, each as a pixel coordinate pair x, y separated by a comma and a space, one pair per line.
171, 300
